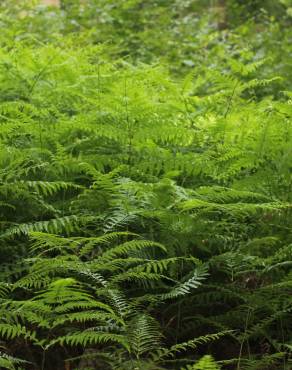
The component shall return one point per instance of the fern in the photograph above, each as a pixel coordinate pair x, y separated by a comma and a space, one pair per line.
191, 344
205, 363
145, 184
10, 362
193, 282
144, 335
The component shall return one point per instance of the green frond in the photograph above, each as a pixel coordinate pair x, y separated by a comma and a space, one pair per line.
142, 278
10, 331
205, 363
144, 335
46, 187
191, 344
65, 224
87, 316
90, 244
91, 337
10, 362
4, 289
131, 247
265, 362
183, 288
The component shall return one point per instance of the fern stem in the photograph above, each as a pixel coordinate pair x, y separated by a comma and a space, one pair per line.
243, 339
43, 360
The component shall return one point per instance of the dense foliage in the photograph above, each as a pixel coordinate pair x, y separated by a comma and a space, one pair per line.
145, 185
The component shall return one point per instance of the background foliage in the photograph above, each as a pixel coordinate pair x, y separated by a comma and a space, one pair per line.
145, 185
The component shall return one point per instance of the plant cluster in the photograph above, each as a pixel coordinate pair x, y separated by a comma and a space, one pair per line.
145, 208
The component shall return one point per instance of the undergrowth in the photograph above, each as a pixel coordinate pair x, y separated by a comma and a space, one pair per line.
145, 213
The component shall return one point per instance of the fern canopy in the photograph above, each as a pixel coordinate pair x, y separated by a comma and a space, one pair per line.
145, 185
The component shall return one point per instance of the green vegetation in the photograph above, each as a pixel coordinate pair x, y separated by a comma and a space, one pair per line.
145, 185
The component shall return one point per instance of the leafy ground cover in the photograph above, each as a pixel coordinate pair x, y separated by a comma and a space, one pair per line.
145, 185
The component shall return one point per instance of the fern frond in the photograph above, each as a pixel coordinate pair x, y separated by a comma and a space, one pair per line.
57, 225
90, 337
132, 247
10, 331
205, 363
144, 335
183, 288
191, 344
11, 362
